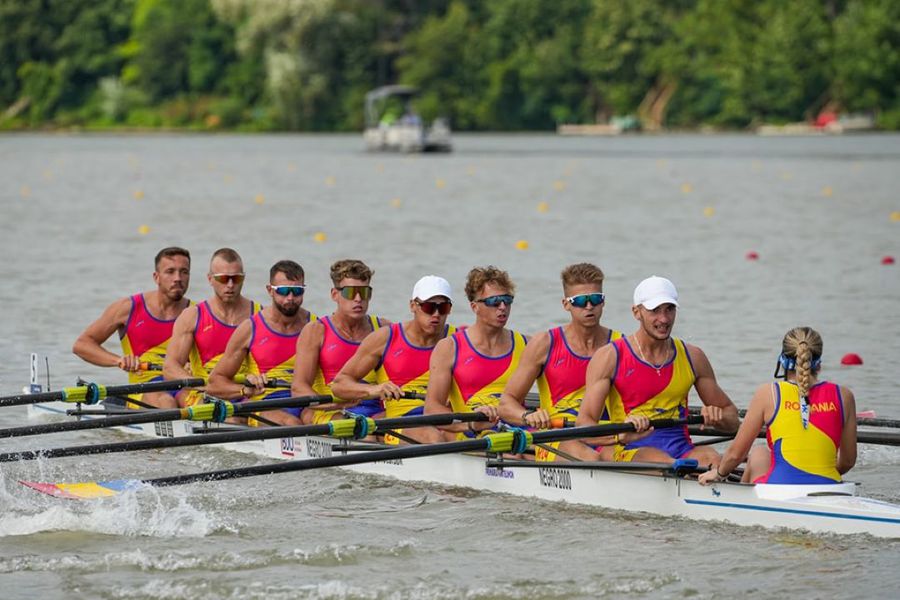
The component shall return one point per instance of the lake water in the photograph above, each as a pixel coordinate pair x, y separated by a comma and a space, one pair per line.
817, 210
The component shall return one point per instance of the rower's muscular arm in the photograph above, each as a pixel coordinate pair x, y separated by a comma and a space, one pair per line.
178, 351
512, 402
847, 451
89, 345
718, 410
349, 384
598, 382
221, 380
746, 435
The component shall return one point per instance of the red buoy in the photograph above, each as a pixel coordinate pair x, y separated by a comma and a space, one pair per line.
887, 260
851, 358
751, 255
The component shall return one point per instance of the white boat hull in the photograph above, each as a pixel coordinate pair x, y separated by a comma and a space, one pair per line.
820, 508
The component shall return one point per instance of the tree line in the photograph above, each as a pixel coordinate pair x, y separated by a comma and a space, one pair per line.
306, 65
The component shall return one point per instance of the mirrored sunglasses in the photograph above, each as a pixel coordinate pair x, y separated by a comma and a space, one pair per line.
237, 278
429, 308
495, 301
582, 300
287, 290
350, 291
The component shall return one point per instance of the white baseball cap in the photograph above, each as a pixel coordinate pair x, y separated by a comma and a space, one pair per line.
431, 286
654, 291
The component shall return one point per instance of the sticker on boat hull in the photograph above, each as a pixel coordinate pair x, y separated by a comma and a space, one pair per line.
555, 478
318, 448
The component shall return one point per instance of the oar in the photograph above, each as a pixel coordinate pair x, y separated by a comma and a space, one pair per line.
93, 393
341, 428
197, 412
508, 441
885, 438
865, 418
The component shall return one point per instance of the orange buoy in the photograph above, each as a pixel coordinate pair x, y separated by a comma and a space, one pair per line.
751, 255
851, 358
887, 260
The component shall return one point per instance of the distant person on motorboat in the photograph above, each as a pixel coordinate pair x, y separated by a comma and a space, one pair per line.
810, 424
266, 343
400, 356
144, 322
202, 331
650, 373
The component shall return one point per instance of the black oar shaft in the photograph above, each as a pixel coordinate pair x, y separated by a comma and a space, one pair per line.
400, 453
884, 438
245, 435
113, 390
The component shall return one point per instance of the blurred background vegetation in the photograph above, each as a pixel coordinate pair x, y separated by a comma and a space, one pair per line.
265, 65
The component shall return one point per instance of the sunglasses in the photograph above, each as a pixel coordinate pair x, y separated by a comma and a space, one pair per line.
287, 290
582, 300
495, 301
237, 278
442, 308
350, 291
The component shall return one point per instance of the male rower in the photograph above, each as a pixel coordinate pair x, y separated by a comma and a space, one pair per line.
326, 345
470, 368
144, 322
649, 374
558, 360
202, 331
399, 355
266, 341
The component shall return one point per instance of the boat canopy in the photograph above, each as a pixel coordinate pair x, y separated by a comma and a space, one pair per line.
374, 98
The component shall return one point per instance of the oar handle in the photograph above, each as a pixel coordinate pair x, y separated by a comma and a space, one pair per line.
99, 392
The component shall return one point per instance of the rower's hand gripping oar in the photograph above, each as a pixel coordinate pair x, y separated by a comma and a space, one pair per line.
93, 393
516, 440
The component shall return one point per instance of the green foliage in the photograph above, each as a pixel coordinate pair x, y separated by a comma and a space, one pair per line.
501, 65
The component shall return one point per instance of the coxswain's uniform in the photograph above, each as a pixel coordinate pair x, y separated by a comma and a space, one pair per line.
805, 455
272, 354
333, 355
478, 380
640, 388
210, 338
561, 384
147, 338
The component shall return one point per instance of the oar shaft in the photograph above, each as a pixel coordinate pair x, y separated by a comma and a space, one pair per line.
232, 436
76, 394
884, 438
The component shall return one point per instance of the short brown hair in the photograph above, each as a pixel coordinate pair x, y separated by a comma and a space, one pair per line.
479, 277
169, 252
291, 270
579, 274
350, 268
227, 254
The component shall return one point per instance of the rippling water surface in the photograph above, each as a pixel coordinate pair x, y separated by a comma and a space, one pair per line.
816, 210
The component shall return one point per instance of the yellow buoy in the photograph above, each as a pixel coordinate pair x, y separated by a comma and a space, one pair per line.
787, 176
138, 194
25, 191
379, 167
895, 216
259, 199
228, 178
686, 188
319, 236
827, 191
292, 167
522, 245
330, 181
48, 174
543, 207
559, 185
143, 230
470, 170
440, 184
396, 202
661, 163
709, 211
756, 166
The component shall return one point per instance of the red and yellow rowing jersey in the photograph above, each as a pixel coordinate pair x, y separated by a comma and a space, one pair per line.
333, 355
210, 338
146, 337
407, 366
272, 354
658, 393
561, 383
478, 380
805, 455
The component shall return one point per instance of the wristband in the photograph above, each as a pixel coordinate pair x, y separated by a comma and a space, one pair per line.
719, 475
526, 413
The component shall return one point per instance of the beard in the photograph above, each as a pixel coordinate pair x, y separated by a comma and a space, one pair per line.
176, 294
287, 311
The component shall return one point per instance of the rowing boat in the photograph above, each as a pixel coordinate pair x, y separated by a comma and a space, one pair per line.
836, 508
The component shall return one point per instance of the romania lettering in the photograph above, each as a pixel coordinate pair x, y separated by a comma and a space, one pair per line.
821, 407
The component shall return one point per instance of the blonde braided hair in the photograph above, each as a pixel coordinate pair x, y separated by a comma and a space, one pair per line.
804, 345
